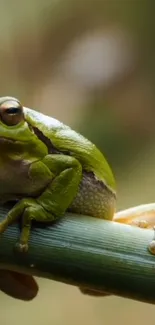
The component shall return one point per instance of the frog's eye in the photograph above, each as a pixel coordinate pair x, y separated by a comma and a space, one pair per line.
11, 112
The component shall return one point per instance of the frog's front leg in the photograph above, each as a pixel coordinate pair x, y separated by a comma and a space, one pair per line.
53, 201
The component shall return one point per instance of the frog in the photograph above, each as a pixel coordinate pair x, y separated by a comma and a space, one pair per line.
49, 169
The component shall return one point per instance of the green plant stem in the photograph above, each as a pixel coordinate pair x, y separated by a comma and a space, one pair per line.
84, 251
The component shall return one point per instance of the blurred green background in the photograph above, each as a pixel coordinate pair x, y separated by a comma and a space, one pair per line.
90, 64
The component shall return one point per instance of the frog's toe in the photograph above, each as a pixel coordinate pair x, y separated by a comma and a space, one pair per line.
21, 247
140, 223
151, 247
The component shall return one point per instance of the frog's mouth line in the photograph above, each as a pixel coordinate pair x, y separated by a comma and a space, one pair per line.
4, 140
12, 141
9, 141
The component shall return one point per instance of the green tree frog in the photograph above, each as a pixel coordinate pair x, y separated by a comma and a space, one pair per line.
49, 169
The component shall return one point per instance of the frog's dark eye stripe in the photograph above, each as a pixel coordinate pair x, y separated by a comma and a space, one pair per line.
11, 112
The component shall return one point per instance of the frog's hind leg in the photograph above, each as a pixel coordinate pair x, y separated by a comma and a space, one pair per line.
142, 216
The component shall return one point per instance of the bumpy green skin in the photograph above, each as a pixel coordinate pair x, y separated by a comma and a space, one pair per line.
51, 169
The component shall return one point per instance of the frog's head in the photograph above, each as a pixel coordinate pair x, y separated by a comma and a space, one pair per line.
16, 134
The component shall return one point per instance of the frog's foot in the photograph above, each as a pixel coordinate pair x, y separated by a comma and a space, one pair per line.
151, 247
28, 210
32, 212
140, 223
21, 247
142, 216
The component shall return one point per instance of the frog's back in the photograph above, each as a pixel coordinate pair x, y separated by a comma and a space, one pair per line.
96, 196
67, 141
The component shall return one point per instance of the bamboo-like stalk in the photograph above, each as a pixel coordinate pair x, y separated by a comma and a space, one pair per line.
83, 251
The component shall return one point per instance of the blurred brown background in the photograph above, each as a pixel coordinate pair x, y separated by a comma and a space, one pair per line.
90, 64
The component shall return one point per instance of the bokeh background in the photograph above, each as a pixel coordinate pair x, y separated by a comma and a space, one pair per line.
90, 64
